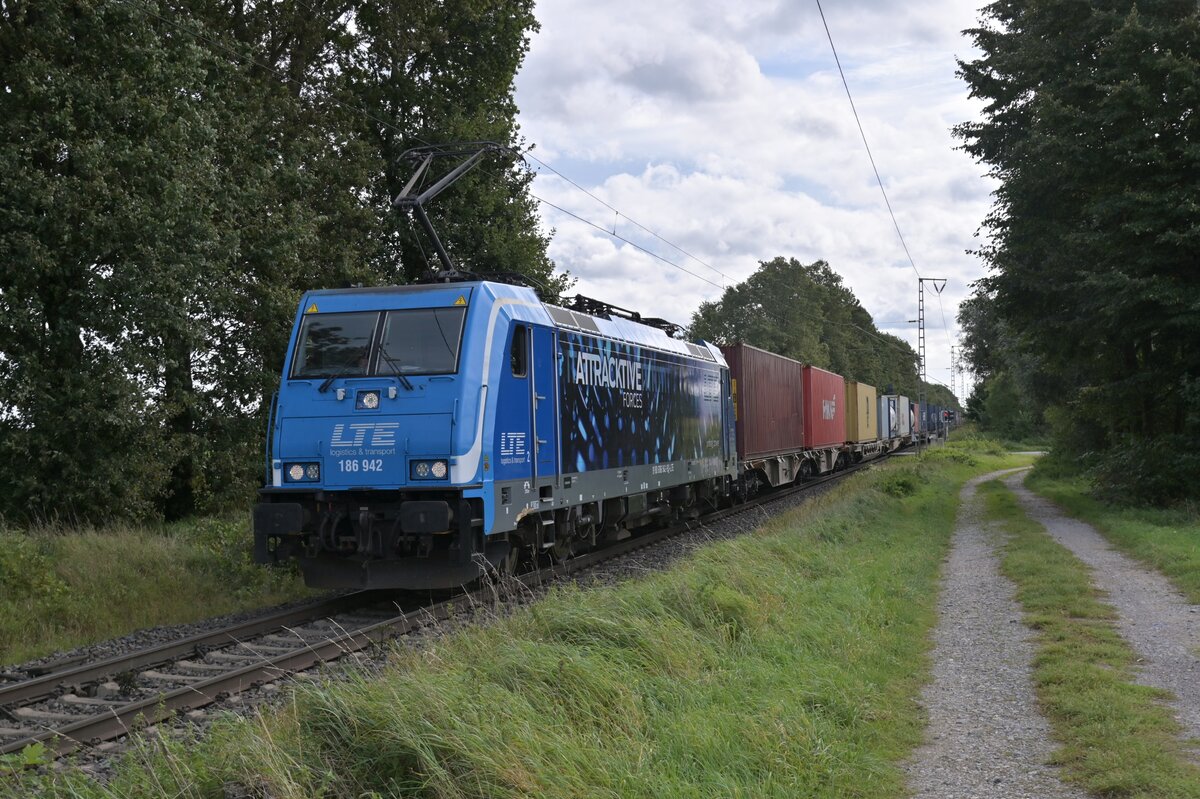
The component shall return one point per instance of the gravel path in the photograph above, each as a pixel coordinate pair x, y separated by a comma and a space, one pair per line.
1156, 620
986, 737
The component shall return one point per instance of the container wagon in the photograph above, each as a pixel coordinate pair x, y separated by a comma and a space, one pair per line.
824, 419
862, 425
768, 410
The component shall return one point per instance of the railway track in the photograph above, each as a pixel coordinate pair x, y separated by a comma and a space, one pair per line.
89, 704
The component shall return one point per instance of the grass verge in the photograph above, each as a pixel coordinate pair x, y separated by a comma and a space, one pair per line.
1167, 540
65, 588
1117, 739
784, 663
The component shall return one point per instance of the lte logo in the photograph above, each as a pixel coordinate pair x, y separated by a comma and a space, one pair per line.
512, 444
383, 434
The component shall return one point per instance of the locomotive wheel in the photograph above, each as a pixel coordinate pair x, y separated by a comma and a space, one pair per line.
510, 563
562, 549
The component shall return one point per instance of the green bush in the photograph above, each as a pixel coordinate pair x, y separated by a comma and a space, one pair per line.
1056, 465
978, 443
900, 483
27, 569
950, 454
1161, 471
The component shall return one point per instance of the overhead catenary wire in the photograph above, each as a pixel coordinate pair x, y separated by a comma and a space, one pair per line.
619, 237
866, 145
655, 255
634, 222
871, 157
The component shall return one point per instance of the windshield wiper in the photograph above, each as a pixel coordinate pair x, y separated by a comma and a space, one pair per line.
404, 381
328, 382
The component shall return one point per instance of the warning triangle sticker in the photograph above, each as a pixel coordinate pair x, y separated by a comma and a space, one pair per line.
312, 308
461, 300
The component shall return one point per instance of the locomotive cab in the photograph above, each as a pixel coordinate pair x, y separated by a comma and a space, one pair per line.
376, 460
424, 434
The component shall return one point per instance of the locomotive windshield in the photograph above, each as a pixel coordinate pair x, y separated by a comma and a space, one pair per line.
420, 341
417, 341
334, 344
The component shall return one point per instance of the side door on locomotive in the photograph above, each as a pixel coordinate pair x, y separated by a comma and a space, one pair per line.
526, 428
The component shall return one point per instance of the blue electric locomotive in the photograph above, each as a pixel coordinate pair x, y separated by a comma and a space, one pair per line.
423, 434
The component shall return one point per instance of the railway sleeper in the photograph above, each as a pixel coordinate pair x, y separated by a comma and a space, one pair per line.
200, 666
230, 657
38, 714
167, 677
257, 649
290, 643
90, 701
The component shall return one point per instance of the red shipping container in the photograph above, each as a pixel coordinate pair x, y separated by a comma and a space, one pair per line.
767, 392
824, 408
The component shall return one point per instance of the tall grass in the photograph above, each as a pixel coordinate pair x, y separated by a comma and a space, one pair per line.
784, 663
61, 588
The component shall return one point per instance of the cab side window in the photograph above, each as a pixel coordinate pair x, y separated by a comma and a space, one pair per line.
518, 354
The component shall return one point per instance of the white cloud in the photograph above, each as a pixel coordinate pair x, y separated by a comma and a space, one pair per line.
726, 129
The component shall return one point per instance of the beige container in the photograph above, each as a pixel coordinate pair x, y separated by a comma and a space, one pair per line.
861, 407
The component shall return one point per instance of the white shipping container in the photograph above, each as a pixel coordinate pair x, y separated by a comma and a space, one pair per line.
904, 411
889, 423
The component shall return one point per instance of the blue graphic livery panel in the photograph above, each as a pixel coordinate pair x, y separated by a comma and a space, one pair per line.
623, 405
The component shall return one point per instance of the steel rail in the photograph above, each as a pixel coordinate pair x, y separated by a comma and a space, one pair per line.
126, 719
51, 683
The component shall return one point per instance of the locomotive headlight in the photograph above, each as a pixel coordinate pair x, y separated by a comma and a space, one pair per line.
367, 400
302, 472
429, 470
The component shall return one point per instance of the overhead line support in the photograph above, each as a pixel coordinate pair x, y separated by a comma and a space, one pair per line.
939, 283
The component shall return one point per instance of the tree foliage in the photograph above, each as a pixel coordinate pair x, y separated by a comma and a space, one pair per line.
1090, 125
805, 312
175, 175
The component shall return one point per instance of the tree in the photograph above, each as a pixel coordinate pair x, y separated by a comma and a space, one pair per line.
805, 312
1008, 379
176, 176
106, 231
1090, 126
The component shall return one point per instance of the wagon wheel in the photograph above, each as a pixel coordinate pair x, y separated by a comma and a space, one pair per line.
806, 469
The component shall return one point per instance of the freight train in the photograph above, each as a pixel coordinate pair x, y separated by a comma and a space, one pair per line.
423, 435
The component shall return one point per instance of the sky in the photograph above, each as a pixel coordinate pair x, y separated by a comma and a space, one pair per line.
725, 129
